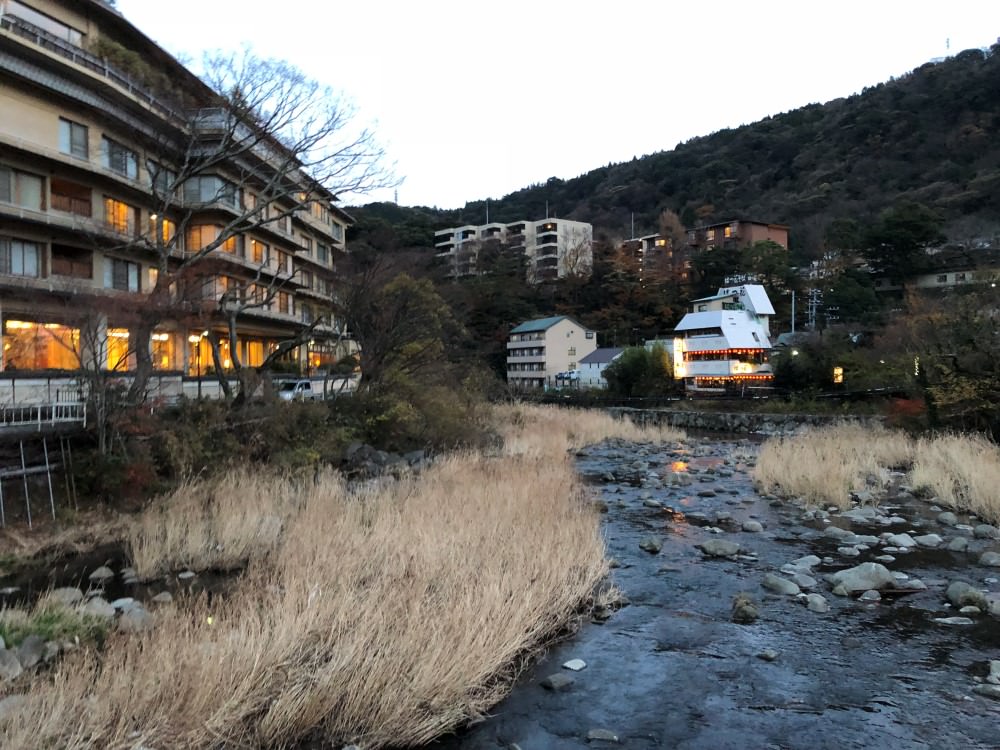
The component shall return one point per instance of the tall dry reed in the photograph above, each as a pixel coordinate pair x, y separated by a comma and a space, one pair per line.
384, 616
963, 471
825, 465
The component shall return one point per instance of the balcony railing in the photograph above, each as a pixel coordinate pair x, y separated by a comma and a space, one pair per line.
87, 60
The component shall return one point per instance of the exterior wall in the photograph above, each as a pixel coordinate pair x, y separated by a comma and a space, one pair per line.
592, 375
48, 86
942, 280
557, 349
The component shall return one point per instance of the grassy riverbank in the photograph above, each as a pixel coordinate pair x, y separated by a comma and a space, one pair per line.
384, 615
823, 466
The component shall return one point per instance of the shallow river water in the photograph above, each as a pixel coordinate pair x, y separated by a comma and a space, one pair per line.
671, 670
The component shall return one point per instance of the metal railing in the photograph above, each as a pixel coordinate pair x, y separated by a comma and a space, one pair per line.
42, 416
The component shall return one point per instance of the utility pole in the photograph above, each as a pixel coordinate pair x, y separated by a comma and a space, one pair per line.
793, 311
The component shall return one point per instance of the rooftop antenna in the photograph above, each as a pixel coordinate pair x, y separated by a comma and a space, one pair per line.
395, 196
947, 44
546, 209
633, 225
487, 210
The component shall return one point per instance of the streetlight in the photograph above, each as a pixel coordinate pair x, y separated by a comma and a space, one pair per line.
196, 340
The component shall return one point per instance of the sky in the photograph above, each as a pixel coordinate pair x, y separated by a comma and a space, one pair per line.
474, 100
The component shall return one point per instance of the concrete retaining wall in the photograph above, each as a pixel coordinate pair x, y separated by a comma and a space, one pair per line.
737, 422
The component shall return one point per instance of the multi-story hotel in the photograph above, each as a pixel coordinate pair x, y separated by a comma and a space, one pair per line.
551, 248
97, 198
543, 352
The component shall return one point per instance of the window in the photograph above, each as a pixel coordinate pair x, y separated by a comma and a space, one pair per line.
70, 197
322, 253
38, 346
161, 178
162, 346
942, 278
119, 158
200, 237
589, 335
284, 262
727, 232
321, 212
306, 279
121, 217
284, 303
46, 23
122, 275
959, 277
118, 349
702, 308
571, 352
20, 257
211, 189
307, 244
284, 224
259, 252
167, 229
72, 261
22, 189
73, 139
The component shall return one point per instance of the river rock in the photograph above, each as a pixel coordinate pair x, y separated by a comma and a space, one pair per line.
808, 562
66, 596
165, 597
135, 620
10, 706
10, 667
601, 735
848, 551
768, 654
994, 675
929, 541
885, 559
958, 544
862, 577
651, 544
903, 541
753, 527
986, 531
961, 594
186, 575
719, 548
101, 575
953, 621
575, 665
837, 533
780, 585
817, 603
557, 682
744, 610
651, 503
870, 596
31, 651
947, 519
991, 559
989, 691
970, 610
803, 581
99, 608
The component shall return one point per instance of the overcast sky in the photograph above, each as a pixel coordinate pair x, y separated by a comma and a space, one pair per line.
475, 100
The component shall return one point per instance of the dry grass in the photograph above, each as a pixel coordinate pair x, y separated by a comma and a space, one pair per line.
963, 471
384, 616
824, 465
550, 431
215, 524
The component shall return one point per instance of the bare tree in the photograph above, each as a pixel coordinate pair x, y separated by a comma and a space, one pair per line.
252, 146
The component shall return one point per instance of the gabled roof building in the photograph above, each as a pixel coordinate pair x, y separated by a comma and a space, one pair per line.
725, 340
541, 351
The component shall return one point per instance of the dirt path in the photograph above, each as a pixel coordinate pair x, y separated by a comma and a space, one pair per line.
672, 671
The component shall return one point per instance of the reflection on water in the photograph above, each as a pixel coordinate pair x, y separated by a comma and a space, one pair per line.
679, 466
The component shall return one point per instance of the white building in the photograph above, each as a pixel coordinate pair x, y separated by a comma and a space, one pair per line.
539, 351
592, 366
725, 340
551, 248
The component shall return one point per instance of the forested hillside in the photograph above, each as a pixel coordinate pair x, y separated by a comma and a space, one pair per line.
931, 136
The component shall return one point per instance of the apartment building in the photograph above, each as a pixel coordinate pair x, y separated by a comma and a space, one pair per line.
550, 249
724, 341
95, 204
737, 233
541, 351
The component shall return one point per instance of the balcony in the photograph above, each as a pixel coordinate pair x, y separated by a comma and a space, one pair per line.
91, 62
538, 359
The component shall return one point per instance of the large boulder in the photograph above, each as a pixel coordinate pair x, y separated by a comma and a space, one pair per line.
719, 548
10, 667
962, 594
864, 577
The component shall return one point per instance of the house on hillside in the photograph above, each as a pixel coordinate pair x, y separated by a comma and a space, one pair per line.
550, 249
724, 342
950, 268
737, 233
540, 351
592, 366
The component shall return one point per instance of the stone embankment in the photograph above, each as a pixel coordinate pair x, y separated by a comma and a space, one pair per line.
737, 422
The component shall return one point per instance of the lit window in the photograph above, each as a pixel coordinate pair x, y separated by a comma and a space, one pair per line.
167, 229
73, 138
259, 252
162, 346
710, 235
20, 257
121, 217
727, 232
37, 346
119, 158
118, 349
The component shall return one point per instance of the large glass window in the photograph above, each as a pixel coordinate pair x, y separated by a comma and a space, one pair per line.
163, 349
210, 189
73, 138
20, 257
259, 252
119, 158
22, 189
121, 217
40, 346
122, 275
118, 349
46, 23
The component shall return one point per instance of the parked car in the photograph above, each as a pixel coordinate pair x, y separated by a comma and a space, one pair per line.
298, 390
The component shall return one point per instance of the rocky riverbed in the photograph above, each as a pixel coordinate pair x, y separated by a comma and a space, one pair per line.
754, 622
